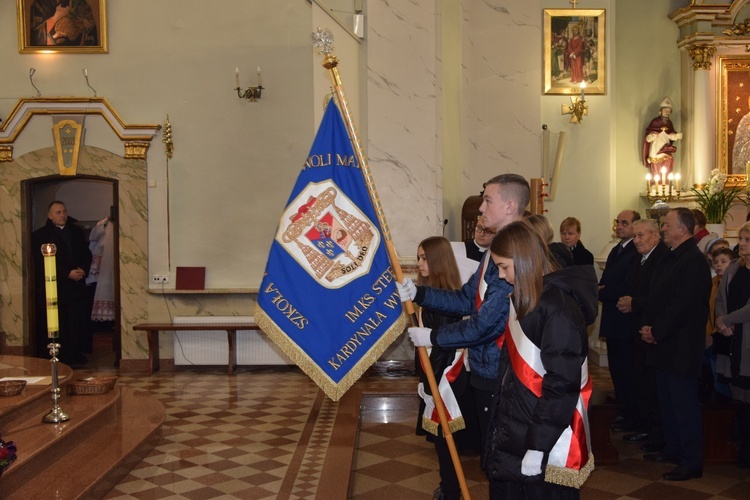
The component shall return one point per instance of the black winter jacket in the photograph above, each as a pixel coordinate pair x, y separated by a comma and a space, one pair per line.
522, 421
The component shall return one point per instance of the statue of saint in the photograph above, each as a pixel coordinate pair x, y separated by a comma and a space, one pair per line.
657, 145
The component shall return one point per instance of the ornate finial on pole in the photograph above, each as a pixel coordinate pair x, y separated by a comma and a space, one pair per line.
323, 41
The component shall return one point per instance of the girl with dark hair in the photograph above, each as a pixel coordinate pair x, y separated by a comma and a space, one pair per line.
438, 269
538, 444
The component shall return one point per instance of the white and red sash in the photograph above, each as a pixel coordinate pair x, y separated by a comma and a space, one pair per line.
430, 418
573, 449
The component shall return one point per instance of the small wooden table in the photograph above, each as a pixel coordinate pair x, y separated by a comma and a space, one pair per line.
152, 333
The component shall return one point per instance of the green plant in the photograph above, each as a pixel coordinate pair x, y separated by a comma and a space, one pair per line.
714, 200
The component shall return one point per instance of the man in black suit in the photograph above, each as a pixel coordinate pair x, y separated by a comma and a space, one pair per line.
73, 261
674, 321
615, 325
638, 285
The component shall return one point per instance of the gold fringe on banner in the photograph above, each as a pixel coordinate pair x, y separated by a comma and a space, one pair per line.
332, 389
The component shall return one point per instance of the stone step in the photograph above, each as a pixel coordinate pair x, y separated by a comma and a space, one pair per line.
87, 455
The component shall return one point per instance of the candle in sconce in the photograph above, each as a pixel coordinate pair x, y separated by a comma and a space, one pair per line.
583, 92
237, 76
50, 286
648, 183
259, 85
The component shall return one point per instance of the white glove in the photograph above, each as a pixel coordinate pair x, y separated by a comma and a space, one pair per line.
420, 337
531, 465
407, 290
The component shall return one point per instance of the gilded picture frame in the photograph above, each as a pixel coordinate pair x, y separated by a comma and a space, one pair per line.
66, 26
733, 117
574, 51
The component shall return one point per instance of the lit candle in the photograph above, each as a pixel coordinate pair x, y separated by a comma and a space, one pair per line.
583, 93
50, 286
663, 176
237, 76
657, 186
648, 183
677, 181
259, 85
670, 178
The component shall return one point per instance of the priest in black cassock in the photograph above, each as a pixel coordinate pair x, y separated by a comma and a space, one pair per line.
73, 261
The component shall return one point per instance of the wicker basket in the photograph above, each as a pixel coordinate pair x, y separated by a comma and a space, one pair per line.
11, 387
93, 385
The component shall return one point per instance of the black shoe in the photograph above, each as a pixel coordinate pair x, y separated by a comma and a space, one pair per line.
651, 447
681, 473
635, 437
623, 427
661, 458
618, 420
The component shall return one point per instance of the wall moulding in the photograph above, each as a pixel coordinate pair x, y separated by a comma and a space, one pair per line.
715, 24
26, 109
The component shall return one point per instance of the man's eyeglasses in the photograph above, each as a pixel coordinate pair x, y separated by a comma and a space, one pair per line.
484, 231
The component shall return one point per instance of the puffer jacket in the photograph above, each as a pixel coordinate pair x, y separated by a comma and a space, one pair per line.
523, 421
481, 331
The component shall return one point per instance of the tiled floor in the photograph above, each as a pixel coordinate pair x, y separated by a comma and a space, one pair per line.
266, 433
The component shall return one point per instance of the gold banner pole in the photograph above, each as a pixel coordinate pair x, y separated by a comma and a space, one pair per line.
323, 39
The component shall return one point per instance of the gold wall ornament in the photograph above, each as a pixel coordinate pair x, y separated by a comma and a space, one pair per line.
701, 56
136, 150
741, 29
577, 110
252, 94
27, 108
6, 153
68, 135
167, 139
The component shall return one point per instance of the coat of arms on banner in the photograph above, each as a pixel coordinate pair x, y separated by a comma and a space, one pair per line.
328, 235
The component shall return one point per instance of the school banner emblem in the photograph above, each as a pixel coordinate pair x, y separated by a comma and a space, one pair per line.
328, 298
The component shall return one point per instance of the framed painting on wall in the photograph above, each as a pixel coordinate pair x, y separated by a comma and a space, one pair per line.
73, 26
733, 116
574, 51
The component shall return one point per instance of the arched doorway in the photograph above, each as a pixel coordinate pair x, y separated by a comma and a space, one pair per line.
92, 201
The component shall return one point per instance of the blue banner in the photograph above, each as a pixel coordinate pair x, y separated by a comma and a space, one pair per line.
328, 298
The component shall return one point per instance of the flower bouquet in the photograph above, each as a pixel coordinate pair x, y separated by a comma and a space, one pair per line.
714, 200
7, 454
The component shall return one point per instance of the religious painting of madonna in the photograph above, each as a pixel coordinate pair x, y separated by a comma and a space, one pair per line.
574, 51
733, 105
72, 26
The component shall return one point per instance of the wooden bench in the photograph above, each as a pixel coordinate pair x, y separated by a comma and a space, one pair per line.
152, 333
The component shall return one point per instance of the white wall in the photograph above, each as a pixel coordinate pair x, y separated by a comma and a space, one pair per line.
235, 162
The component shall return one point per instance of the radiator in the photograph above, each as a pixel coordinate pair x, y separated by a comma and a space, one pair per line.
210, 347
